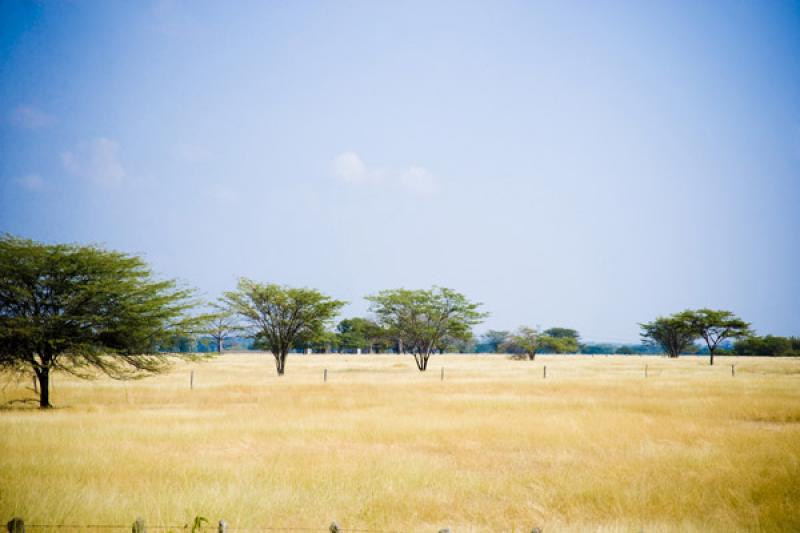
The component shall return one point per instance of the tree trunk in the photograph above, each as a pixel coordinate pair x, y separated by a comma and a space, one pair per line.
711, 354
219, 345
532, 356
44, 387
280, 362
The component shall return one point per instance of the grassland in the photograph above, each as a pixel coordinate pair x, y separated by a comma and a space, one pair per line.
595, 446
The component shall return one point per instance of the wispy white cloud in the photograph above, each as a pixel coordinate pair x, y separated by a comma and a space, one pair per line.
349, 168
419, 180
30, 117
31, 182
97, 161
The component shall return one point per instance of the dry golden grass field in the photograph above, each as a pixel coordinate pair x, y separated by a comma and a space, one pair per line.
494, 447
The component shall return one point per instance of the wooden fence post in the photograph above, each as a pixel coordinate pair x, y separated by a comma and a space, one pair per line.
16, 525
544, 372
223, 527
442, 378
325, 375
138, 526
645, 370
733, 370
191, 380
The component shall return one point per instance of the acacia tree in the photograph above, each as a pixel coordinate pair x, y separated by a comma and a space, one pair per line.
496, 339
221, 326
280, 317
559, 344
561, 340
673, 334
714, 326
563, 333
525, 340
421, 319
76, 309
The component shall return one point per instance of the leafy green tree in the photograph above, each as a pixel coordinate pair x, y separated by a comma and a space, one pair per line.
673, 334
280, 317
559, 344
714, 326
562, 333
526, 340
559, 340
354, 333
768, 345
495, 339
323, 342
625, 350
180, 344
421, 319
221, 326
73, 308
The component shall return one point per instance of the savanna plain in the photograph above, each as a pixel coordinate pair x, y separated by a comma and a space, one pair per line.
494, 446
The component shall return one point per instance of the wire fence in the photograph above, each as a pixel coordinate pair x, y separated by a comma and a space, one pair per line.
17, 525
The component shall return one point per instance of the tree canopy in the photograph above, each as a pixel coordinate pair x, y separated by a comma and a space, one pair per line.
768, 345
75, 308
220, 326
359, 333
495, 339
526, 340
424, 320
280, 317
714, 326
673, 334
562, 333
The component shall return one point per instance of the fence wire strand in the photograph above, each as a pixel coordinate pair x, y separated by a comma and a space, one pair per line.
207, 529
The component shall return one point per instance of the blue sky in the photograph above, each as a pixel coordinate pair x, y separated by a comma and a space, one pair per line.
581, 164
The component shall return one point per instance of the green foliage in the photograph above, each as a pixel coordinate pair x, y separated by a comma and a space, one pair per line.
525, 340
562, 333
531, 341
714, 326
625, 350
495, 340
198, 522
674, 335
559, 344
220, 326
597, 348
281, 317
425, 320
354, 333
768, 345
323, 342
72, 308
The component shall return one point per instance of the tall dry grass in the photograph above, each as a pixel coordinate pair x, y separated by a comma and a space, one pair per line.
595, 446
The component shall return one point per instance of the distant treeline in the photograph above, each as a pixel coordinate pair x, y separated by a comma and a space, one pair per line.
769, 345
70, 307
